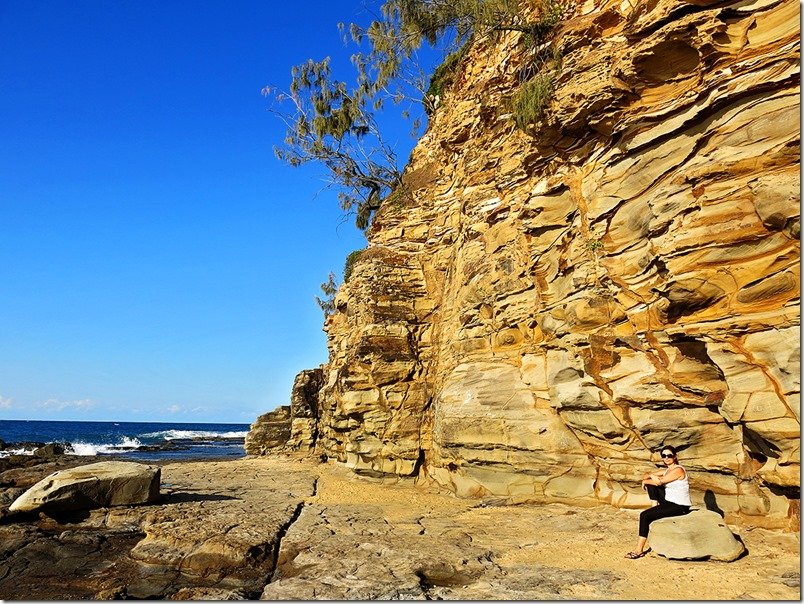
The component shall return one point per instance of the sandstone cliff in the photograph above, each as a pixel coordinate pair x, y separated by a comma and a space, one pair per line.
547, 308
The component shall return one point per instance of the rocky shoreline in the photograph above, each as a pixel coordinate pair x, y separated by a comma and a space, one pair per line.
289, 528
37, 449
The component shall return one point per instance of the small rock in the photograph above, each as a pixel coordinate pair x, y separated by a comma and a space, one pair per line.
791, 579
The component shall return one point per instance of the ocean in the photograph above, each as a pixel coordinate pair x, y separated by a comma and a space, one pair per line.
140, 441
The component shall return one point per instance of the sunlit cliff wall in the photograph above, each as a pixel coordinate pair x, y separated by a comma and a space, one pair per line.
548, 308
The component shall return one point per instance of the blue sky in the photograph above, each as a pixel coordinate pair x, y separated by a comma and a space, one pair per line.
157, 262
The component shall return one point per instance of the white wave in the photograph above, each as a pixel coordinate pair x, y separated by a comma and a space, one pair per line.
125, 444
9, 452
188, 434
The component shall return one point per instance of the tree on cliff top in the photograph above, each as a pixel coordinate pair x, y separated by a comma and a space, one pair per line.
334, 124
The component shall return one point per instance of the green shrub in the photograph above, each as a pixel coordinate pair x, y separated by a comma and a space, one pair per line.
349, 265
443, 77
530, 101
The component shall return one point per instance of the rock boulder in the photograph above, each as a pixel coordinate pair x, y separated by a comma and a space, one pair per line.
701, 534
103, 484
50, 450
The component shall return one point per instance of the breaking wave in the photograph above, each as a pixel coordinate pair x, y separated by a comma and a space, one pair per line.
9, 452
191, 434
134, 440
125, 444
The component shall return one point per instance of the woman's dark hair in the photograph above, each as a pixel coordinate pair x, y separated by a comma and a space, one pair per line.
670, 448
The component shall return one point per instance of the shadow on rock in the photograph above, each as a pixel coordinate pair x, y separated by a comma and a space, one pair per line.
184, 497
710, 502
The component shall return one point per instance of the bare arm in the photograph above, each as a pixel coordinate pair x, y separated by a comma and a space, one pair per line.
660, 479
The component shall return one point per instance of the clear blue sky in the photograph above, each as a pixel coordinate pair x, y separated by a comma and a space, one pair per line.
157, 262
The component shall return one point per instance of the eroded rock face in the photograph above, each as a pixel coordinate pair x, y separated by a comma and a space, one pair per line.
304, 409
96, 485
293, 427
547, 309
270, 431
212, 536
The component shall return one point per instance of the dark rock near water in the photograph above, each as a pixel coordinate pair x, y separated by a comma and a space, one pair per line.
23, 445
167, 445
51, 450
214, 439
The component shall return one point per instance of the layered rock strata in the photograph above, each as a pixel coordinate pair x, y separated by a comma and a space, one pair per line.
290, 427
545, 309
270, 431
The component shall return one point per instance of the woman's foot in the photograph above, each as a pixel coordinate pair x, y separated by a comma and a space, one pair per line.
635, 555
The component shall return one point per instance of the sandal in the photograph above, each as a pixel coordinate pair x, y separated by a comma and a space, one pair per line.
635, 555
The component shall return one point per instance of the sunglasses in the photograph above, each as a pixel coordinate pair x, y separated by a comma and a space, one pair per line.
668, 455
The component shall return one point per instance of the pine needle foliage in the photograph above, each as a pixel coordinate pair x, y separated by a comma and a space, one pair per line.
329, 288
332, 123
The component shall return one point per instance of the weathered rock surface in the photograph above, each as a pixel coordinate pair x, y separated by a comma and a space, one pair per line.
270, 431
223, 533
102, 484
212, 536
546, 309
291, 428
287, 528
304, 407
700, 535
20, 472
358, 540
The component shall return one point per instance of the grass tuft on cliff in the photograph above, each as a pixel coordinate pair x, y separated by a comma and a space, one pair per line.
349, 265
532, 98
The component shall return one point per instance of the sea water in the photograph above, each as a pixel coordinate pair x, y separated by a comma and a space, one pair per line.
146, 441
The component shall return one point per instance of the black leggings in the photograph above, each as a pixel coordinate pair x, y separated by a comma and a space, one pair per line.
665, 509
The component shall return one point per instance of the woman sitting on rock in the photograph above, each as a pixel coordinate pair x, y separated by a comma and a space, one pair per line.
670, 489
